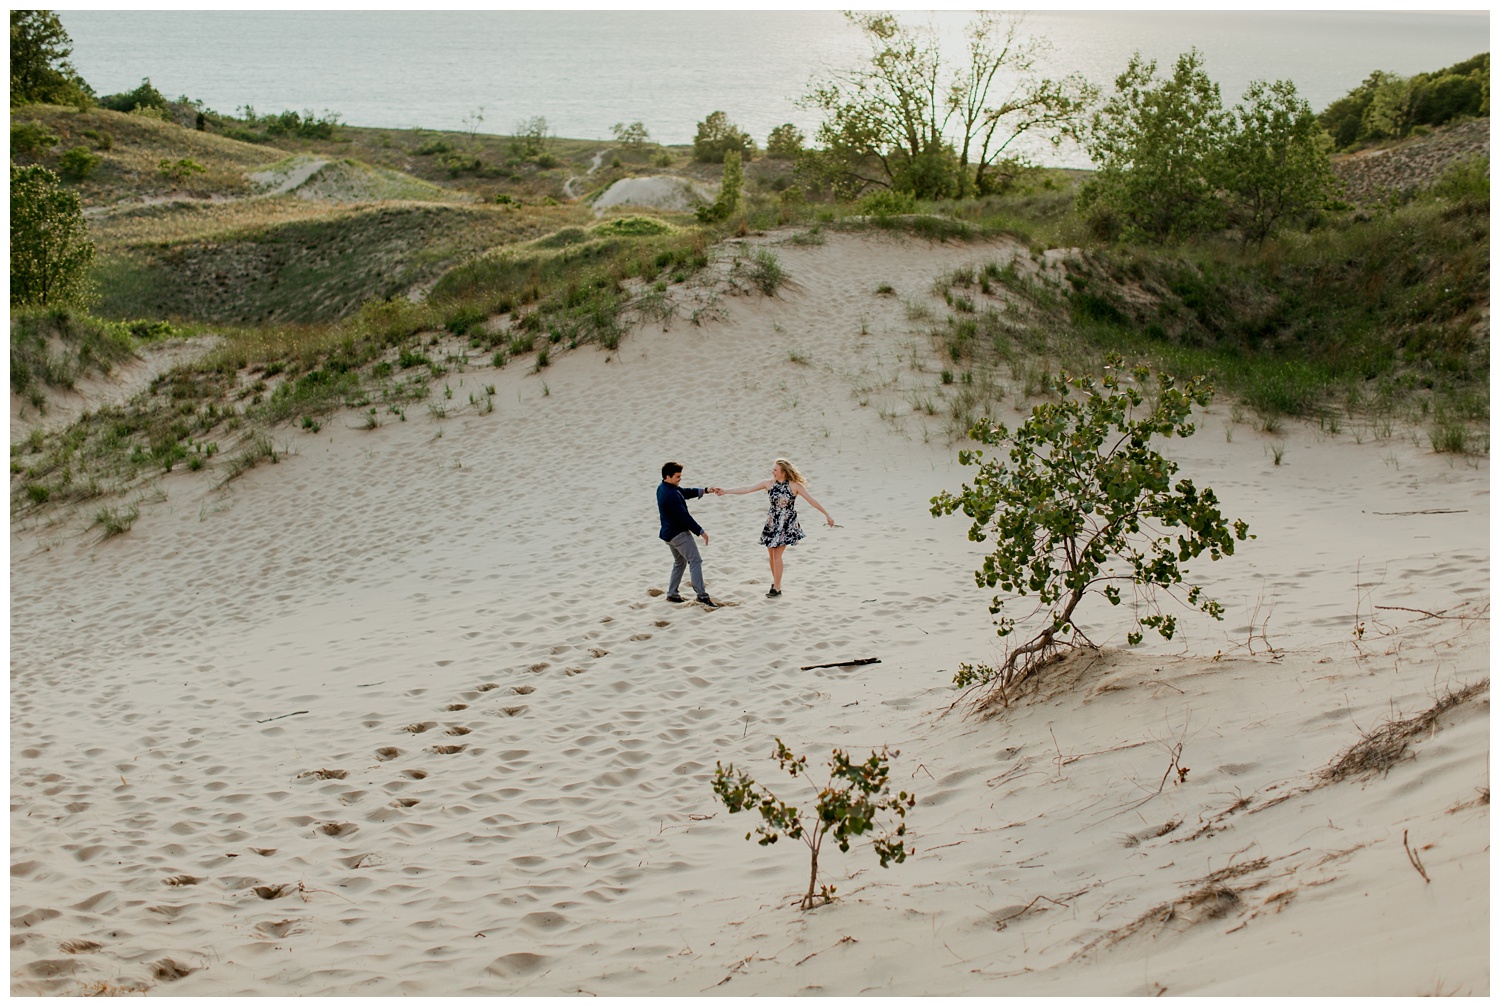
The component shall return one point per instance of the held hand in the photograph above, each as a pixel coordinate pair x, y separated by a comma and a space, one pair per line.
705, 538
830, 519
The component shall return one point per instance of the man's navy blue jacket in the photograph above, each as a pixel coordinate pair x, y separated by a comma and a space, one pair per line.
671, 501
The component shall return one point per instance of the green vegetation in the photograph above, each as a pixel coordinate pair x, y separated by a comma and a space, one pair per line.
848, 806
1082, 503
891, 122
39, 69
1388, 106
345, 268
50, 250
1173, 163
717, 136
730, 188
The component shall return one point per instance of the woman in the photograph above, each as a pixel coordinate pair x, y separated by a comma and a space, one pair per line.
782, 529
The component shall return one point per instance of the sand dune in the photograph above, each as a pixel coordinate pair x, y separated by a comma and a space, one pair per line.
405, 714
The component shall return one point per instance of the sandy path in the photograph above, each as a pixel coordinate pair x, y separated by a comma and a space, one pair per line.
400, 715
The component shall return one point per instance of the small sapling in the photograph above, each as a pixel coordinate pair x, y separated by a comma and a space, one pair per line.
847, 806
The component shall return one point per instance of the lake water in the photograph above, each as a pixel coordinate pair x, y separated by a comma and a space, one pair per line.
585, 70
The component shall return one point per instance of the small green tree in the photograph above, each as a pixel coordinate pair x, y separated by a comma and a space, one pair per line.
1156, 148
50, 248
717, 136
1083, 503
635, 135
1276, 160
785, 142
848, 805
532, 137
729, 191
39, 67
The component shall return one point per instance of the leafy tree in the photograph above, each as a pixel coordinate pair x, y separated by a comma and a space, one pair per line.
1343, 120
1392, 111
785, 142
532, 137
1082, 503
1156, 148
717, 136
144, 95
635, 135
904, 120
847, 806
50, 248
1276, 160
39, 67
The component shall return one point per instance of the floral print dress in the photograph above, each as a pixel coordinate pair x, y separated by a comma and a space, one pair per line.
781, 523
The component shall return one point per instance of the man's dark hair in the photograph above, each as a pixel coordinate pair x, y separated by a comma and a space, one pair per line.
670, 469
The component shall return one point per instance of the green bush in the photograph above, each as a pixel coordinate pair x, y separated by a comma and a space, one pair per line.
847, 806
1082, 503
179, 170
1465, 181
31, 138
888, 202
50, 248
436, 145
144, 96
77, 163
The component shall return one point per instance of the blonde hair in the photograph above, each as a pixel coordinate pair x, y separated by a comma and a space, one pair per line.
790, 471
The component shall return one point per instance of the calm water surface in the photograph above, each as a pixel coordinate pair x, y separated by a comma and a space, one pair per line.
584, 71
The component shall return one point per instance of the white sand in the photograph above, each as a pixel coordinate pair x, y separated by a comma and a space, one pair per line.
400, 715
656, 192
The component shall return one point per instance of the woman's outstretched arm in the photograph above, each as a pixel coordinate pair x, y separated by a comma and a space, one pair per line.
801, 491
748, 489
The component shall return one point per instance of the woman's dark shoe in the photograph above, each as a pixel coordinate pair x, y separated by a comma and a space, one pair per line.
676, 599
775, 592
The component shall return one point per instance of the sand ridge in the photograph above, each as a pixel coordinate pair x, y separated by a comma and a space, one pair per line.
401, 714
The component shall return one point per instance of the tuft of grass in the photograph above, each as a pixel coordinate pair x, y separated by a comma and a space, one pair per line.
766, 271
116, 521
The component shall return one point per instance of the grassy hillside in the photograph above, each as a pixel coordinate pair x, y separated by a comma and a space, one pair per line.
282, 261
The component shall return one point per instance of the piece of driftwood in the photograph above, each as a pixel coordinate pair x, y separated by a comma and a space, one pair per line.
282, 717
843, 664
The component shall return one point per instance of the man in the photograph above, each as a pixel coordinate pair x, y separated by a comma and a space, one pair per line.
678, 529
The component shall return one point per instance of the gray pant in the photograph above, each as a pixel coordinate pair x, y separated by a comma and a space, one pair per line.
685, 554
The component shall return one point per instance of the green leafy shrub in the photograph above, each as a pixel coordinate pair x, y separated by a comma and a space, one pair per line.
1082, 503
179, 170
144, 96
436, 145
848, 806
101, 139
78, 163
50, 248
887, 203
31, 138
